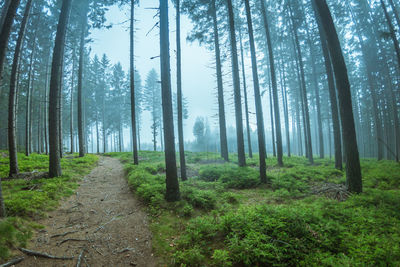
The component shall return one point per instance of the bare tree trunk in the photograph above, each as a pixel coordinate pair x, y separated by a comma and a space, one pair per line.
353, 169
132, 85
5, 32
246, 105
12, 107
172, 184
221, 104
179, 93
236, 85
55, 90
274, 87
81, 126
257, 97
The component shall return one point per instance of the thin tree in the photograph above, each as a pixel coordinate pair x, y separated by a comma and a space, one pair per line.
221, 103
172, 184
236, 86
179, 91
81, 128
274, 86
55, 90
12, 98
353, 169
257, 97
132, 84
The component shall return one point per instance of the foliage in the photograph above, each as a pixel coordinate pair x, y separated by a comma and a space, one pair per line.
29, 199
226, 218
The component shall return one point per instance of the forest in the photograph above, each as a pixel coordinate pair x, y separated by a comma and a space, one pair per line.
199, 133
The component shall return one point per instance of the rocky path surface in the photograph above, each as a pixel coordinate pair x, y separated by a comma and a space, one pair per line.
102, 222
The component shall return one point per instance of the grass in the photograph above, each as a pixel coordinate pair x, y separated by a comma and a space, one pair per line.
227, 218
28, 200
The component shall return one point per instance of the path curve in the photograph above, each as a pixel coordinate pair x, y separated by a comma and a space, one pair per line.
103, 218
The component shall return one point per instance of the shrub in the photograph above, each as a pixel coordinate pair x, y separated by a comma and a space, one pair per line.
240, 178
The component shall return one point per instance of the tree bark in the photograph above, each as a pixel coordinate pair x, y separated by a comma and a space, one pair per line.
257, 97
353, 169
221, 104
172, 184
236, 86
55, 90
4, 13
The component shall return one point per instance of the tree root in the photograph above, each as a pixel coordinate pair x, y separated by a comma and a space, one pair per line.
63, 234
78, 263
43, 255
12, 262
69, 239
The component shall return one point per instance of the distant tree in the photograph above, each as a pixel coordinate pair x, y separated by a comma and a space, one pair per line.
172, 184
152, 100
353, 169
199, 129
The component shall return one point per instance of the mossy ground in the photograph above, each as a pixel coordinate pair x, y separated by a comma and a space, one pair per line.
28, 200
227, 218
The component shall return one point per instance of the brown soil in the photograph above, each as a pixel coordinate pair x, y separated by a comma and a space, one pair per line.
103, 219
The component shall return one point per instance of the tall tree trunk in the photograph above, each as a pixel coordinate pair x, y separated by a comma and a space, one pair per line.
5, 32
337, 140
179, 92
55, 90
397, 49
132, 84
353, 169
257, 97
45, 106
285, 104
12, 100
71, 103
274, 87
81, 126
4, 13
246, 104
271, 111
236, 86
303, 91
172, 184
221, 104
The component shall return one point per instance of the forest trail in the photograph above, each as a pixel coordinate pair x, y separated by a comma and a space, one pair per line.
102, 218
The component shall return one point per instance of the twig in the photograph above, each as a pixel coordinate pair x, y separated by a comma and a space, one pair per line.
63, 234
43, 255
102, 226
69, 239
12, 262
78, 263
95, 249
125, 250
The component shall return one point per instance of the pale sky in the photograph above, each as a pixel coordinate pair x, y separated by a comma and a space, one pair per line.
197, 74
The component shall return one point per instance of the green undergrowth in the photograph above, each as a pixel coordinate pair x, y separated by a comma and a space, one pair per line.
227, 218
27, 200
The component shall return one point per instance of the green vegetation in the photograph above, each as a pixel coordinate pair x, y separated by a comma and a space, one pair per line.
302, 217
28, 199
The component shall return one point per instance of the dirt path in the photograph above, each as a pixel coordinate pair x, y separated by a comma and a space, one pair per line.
103, 218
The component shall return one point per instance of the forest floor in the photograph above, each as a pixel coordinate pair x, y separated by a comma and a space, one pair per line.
102, 220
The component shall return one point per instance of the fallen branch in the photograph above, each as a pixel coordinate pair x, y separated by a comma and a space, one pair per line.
12, 262
69, 239
43, 255
63, 234
95, 249
78, 263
